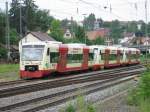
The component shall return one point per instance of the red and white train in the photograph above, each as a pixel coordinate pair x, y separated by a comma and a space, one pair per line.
39, 59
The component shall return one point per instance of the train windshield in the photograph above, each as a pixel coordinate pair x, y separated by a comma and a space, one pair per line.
32, 52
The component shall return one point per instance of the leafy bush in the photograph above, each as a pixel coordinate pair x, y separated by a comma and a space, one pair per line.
3, 53
14, 37
144, 105
133, 97
70, 108
140, 96
90, 108
144, 87
80, 106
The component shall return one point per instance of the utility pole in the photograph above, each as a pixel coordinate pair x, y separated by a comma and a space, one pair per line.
108, 39
7, 33
84, 27
20, 20
146, 33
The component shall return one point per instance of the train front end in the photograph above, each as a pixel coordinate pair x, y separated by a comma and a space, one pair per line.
32, 60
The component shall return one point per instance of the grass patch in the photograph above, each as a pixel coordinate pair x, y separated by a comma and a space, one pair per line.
80, 106
9, 68
140, 96
144, 105
9, 72
143, 58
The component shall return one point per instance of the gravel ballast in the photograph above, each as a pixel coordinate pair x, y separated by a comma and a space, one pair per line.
96, 97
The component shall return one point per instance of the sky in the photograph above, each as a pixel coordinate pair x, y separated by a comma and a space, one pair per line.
124, 10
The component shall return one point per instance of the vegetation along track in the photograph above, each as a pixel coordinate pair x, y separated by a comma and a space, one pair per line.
62, 96
98, 75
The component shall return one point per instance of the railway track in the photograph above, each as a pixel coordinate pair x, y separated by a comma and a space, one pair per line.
13, 82
19, 82
63, 96
86, 77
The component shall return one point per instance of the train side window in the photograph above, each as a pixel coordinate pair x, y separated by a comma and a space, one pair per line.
91, 56
54, 57
47, 51
121, 56
133, 56
112, 56
103, 56
74, 58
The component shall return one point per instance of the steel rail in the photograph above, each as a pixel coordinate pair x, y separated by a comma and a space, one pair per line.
13, 82
57, 98
17, 82
64, 82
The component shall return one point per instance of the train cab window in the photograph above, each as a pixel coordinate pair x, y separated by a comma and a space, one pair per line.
74, 58
54, 57
91, 56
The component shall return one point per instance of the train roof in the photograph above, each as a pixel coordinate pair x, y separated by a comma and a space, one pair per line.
34, 43
112, 47
41, 43
98, 46
76, 45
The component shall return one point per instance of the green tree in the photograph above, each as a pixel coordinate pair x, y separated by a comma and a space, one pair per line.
2, 27
80, 34
56, 31
14, 37
99, 41
14, 14
89, 22
132, 26
33, 19
106, 24
116, 30
148, 29
28, 9
3, 53
42, 20
65, 23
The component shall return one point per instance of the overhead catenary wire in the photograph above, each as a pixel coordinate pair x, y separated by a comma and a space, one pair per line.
115, 9
103, 7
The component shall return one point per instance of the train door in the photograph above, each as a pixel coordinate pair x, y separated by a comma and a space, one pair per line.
106, 56
61, 67
129, 57
54, 57
119, 57
138, 56
47, 60
85, 58
96, 56
124, 57
102, 57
